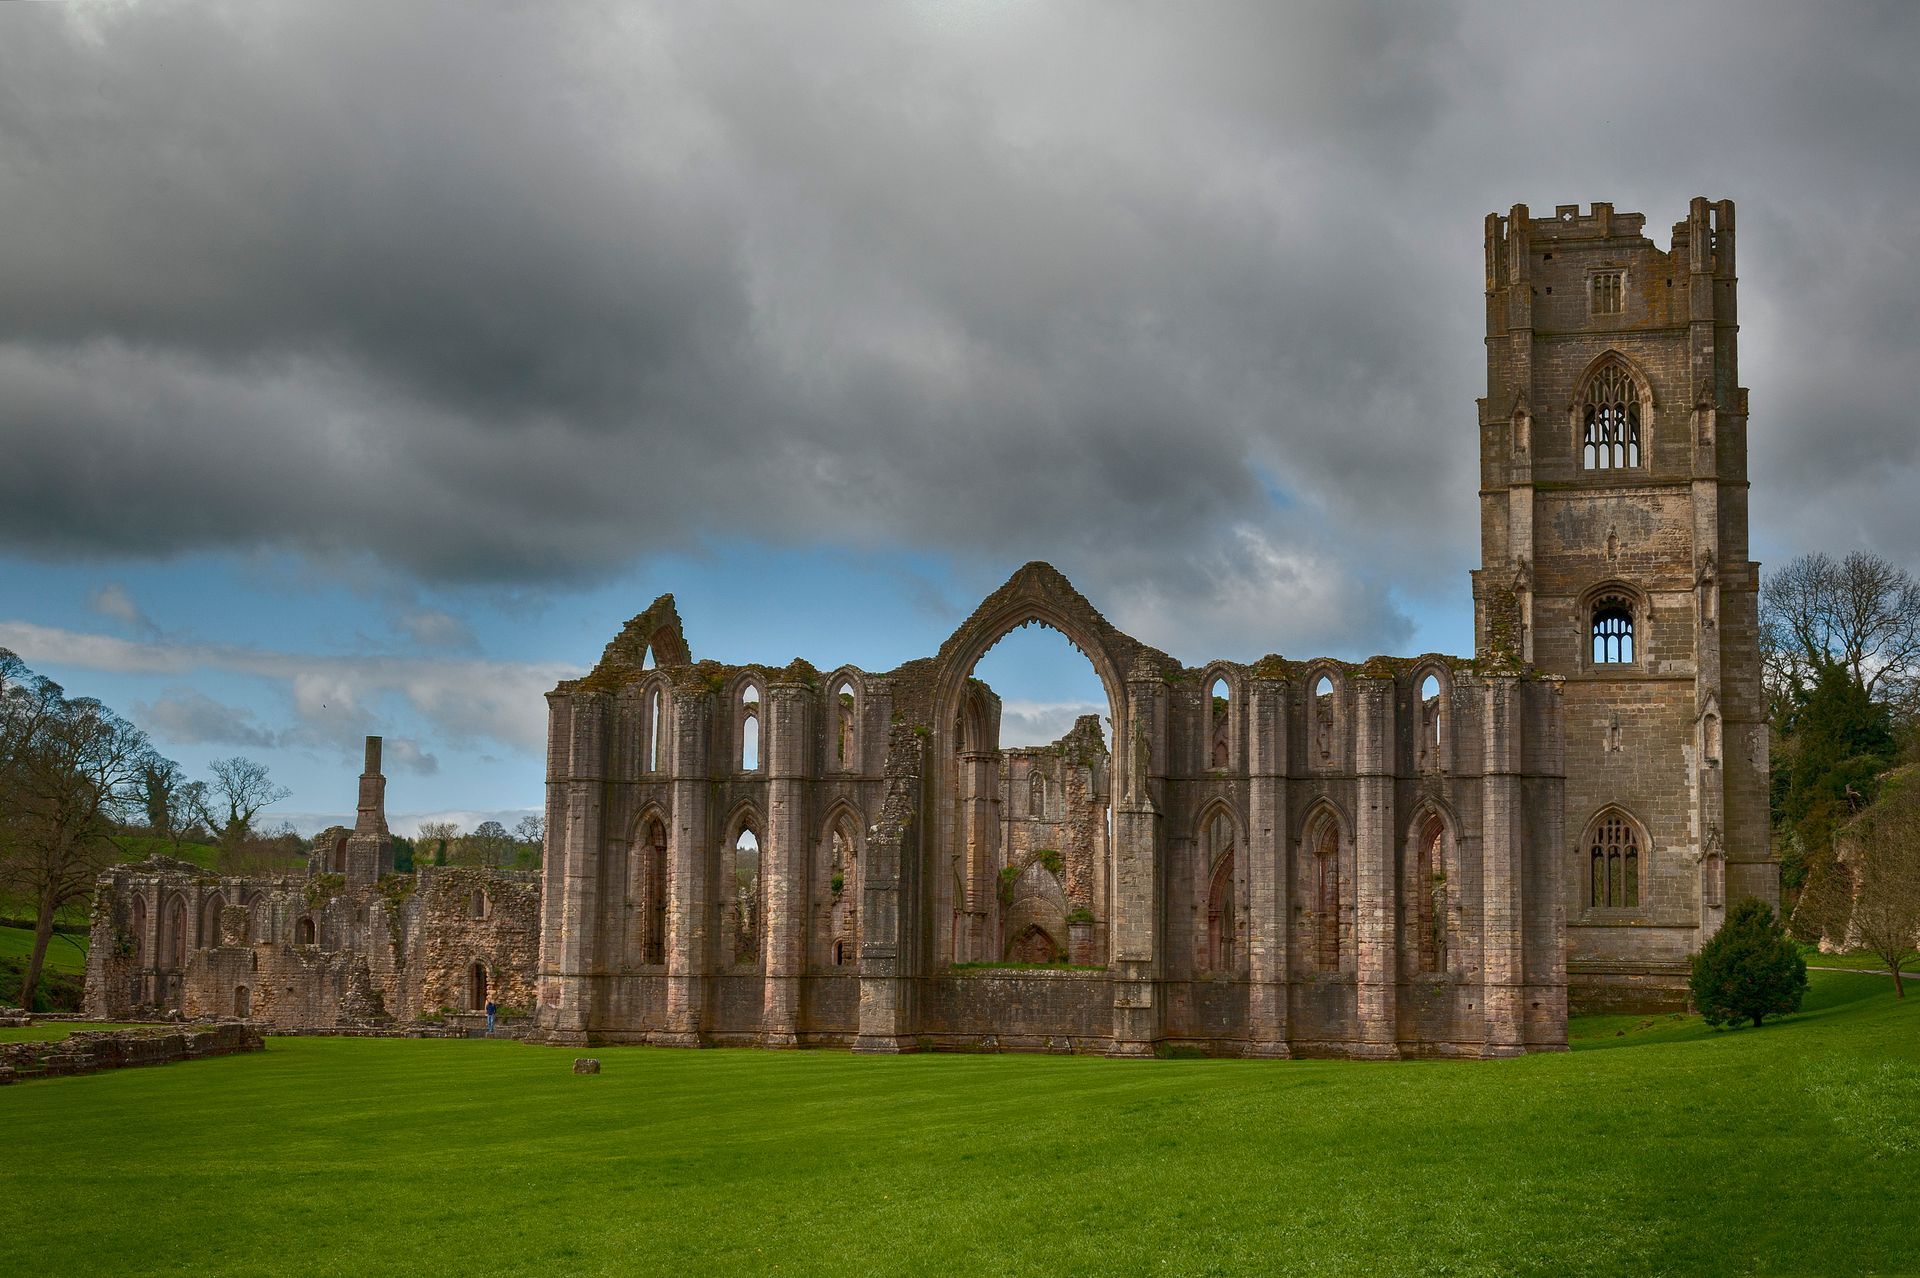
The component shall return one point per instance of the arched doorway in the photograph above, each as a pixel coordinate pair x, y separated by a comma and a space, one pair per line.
477, 987
242, 1001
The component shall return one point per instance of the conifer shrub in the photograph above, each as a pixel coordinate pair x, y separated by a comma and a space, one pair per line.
1750, 970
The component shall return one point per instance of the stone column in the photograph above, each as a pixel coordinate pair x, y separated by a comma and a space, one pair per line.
1139, 756
689, 867
1503, 961
888, 884
584, 788
783, 861
1267, 879
1375, 884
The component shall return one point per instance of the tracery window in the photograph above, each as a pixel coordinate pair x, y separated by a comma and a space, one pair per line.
1607, 292
1611, 415
1613, 853
1612, 631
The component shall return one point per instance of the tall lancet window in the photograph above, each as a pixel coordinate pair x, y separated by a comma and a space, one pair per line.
1611, 416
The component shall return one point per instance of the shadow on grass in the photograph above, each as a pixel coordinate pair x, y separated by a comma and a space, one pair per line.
1832, 995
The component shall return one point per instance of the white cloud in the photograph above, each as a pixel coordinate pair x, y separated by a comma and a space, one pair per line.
1031, 723
334, 697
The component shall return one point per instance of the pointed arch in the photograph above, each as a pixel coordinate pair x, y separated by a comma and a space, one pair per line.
1430, 889
656, 727
1432, 683
838, 882
1612, 412
742, 895
1217, 837
137, 924
1220, 713
747, 697
846, 710
175, 922
1614, 847
1326, 720
210, 908
1325, 885
648, 889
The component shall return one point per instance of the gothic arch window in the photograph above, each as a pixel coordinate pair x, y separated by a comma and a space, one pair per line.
741, 905
655, 721
1610, 412
844, 706
1612, 630
137, 923
843, 890
1323, 722
173, 944
749, 720
210, 919
1614, 845
1425, 904
1431, 722
652, 901
1322, 863
1037, 795
1219, 719
303, 932
1223, 921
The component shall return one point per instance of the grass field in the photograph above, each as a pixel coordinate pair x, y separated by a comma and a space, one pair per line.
1655, 1146
65, 952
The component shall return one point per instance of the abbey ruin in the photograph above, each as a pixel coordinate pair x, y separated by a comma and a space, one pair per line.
346, 945
1404, 856
1423, 856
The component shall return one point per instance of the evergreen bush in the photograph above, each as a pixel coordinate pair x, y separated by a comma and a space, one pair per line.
1749, 970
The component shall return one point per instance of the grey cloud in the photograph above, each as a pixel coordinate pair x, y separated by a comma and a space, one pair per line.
520, 295
183, 716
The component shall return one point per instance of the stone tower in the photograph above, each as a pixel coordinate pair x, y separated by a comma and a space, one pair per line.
1613, 495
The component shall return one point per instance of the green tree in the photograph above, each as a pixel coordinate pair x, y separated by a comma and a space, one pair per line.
1839, 741
70, 768
1749, 970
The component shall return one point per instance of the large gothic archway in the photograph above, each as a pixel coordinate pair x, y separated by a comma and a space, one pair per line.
965, 745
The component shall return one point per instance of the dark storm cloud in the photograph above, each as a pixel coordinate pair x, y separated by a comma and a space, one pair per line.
521, 293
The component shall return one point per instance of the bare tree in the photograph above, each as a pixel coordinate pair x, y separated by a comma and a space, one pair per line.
431, 845
233, 798
488, 845
1884, 866
70, 768
531, 834
163, 794
1860, 613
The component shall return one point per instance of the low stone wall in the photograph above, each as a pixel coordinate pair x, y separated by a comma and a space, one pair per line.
90, 1051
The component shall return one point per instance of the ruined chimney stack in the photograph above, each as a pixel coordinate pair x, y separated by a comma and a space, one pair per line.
373, 794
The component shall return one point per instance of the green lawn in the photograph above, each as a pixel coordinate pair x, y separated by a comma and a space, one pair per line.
66, 952
1665, 1148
